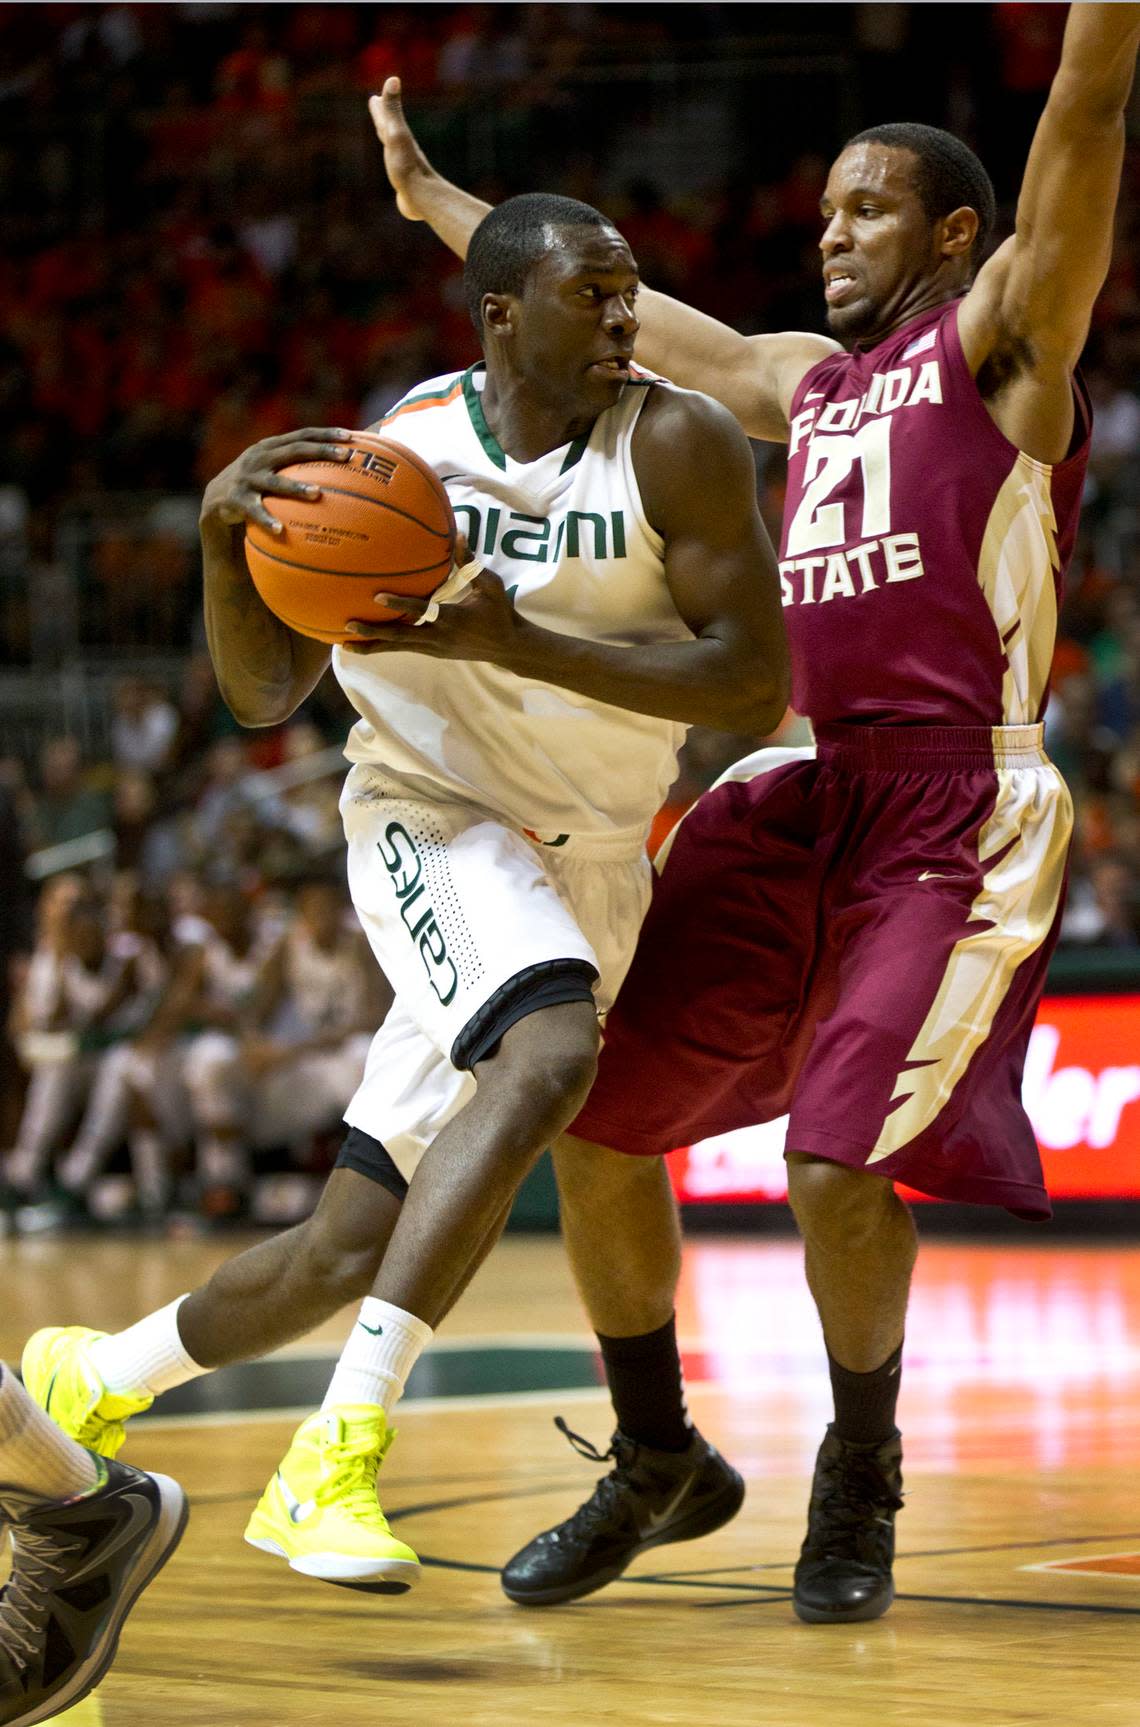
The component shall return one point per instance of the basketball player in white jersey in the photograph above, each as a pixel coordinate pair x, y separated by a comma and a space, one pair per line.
496, 816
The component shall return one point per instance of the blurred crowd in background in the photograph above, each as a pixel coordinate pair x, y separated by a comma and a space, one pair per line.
199, 249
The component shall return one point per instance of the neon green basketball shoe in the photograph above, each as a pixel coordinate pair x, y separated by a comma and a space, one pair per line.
58, 1372
320, 1511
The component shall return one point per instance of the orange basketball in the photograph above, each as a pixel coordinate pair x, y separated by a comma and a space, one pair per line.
382, 521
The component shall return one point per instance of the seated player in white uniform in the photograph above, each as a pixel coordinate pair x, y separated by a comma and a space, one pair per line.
296, 1056
138, 934
84, 989
496, 816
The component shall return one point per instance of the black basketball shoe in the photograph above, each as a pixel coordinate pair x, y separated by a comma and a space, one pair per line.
648, 1497
844, 1568
77, 1567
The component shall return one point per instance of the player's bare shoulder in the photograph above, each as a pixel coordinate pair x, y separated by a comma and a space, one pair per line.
687, 449
785, 358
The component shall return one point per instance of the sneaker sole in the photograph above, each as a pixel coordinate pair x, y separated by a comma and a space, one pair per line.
164, 1538
388, 1577
711, 1516
872, 1609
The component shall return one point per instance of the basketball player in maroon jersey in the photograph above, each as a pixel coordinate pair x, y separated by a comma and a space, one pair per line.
861, 936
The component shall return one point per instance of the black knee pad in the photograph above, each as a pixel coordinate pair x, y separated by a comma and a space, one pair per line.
368, 1157
548, 984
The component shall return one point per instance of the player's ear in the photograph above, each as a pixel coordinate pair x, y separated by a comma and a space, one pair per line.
957, 232
499, 314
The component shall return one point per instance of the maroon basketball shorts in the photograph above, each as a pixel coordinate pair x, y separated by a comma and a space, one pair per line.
859, 939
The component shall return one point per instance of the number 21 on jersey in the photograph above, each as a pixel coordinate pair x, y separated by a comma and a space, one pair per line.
830, 459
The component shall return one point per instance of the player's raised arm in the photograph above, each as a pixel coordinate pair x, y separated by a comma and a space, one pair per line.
1030, 307
754, 376
422, 194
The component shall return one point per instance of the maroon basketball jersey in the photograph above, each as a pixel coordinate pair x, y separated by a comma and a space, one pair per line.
922, 552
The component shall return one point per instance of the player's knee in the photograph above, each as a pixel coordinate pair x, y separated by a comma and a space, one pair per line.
834, 1206
565, 1083
342, 1264
593, 1176
553, 1054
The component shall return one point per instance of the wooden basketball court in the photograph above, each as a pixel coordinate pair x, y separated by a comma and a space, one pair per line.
1019, 1549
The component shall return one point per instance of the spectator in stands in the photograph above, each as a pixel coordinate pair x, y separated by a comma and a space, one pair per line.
1104, 911
311, 810
225, 790
65, 807
122, 1100
318, 999
208, 1004
143, 726
79, 990
148, 840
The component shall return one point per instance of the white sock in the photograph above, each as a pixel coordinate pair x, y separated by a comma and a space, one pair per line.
147, 1358
385, 1344
35, 1456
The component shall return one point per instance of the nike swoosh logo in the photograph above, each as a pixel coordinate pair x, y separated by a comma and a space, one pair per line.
297, 1511
657, 1520
373, 1330
933, 875
138, 1511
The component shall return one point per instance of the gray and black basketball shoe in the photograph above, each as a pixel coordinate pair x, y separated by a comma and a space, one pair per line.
649, 1497
844, 1569
78, 1566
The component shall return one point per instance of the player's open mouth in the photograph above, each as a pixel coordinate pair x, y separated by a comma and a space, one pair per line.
615, 366
837, 287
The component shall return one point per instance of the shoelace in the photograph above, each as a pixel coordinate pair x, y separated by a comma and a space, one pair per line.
95, 1430
40, 1560
856, 1490
349, 1474
605, 1499
584, 1447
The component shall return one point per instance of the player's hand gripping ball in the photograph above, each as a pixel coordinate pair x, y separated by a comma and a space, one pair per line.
379, 518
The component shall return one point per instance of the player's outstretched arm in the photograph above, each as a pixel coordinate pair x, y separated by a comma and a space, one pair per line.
264, 669
698, 486
422, 195
754, 376
1030, 307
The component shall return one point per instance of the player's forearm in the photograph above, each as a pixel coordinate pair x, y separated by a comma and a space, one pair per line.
452, 214
704, 682
1098, 61
264, 671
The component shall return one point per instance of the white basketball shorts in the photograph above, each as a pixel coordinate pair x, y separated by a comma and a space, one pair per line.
456, 903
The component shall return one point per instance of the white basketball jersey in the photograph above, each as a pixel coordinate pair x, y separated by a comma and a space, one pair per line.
567, 535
